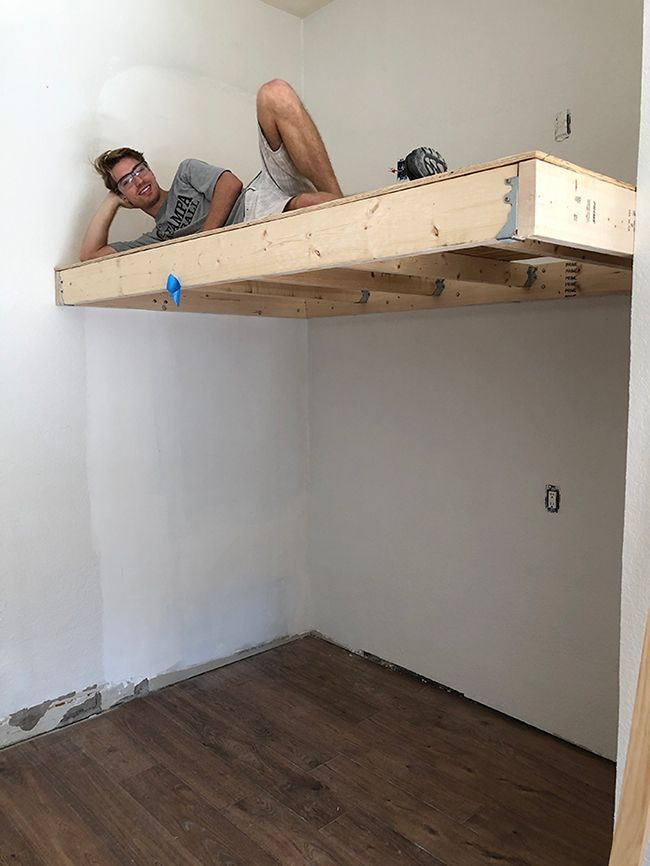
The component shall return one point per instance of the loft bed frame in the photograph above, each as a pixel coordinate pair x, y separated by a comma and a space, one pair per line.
525, 228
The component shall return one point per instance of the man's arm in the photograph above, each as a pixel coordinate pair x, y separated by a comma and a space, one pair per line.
95, 242
226, 193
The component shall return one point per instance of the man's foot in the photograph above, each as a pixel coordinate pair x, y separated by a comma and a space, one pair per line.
424, 161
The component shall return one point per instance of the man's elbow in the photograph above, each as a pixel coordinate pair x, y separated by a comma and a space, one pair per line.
86, 255
234, 183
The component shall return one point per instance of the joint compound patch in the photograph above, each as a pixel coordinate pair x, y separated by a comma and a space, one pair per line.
82, 711
65, 709
142, 688
27, 718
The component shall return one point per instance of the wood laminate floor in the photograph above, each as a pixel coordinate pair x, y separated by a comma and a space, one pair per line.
303, 754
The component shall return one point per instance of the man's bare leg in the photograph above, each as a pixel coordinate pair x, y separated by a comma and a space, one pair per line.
284, 120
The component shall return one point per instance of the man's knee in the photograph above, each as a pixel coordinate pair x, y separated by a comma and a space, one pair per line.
277, 94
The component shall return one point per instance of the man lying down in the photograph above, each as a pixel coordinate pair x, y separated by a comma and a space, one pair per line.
296, 173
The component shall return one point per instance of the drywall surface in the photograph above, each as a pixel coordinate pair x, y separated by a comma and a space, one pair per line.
433, 436
635, 601
154, 467
477, 81
433, 439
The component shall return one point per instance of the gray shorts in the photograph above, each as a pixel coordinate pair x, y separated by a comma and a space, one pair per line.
277, 183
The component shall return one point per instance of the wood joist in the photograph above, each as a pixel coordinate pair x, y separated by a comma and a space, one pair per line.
530, 227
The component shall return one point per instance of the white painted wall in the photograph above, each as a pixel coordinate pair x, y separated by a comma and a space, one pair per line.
154, 475
154, 468
635, 601
433, 435
475, 80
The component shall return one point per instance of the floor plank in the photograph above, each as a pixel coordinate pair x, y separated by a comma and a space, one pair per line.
467, 769
357, 836
14, 848
171, 745
414, 819
105, 808
256, 761
44, 816
304, 754
284, 835
200, 829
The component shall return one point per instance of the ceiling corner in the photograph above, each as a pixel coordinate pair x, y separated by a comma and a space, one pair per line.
299, 8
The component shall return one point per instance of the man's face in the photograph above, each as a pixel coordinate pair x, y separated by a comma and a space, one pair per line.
140, 190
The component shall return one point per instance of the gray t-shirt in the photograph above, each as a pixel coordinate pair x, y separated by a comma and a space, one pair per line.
186, 207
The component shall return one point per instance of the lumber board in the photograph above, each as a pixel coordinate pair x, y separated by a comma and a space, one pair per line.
454, 234
572, 285
384, 279
351, 280
267, 299
520, 250
633, 821
212, 302
586, 212
463, 211
462, 268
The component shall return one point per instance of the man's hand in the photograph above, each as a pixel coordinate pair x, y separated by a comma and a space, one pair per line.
121, 201
95, 242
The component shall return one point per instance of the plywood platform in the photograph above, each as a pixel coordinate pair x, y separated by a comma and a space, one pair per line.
527, 227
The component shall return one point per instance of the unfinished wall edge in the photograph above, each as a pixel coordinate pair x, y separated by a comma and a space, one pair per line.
76, 706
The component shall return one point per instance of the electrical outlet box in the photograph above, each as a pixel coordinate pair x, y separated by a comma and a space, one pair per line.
552, 500
562, 125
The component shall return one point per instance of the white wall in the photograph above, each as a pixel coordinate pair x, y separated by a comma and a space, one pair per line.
433, 435
154, 468
635, 601
475, 80
153, 484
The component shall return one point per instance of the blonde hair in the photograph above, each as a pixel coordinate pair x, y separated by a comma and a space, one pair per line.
105, 162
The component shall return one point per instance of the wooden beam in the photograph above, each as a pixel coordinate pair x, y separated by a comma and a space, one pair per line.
294, 301
279, 289
457, 212
209, 302
440, 235
269, 290
394, 277
349, 279
633, 821
596, 280
550, 278
532, 249
455, 266
585, 211
576, 282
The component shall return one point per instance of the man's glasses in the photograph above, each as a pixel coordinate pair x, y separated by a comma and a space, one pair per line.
125, 182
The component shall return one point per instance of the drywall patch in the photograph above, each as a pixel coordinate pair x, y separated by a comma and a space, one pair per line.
89, 707
59, 702
141, 689
27, 718
62, 711
76, 706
